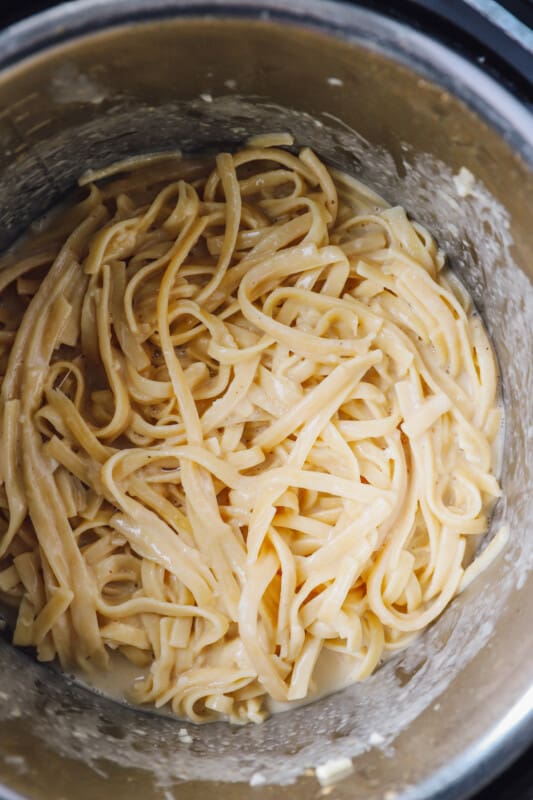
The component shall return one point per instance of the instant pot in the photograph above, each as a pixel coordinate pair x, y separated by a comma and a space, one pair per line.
407, 97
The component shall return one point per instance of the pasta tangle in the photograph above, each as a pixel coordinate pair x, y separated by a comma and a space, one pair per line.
246, 424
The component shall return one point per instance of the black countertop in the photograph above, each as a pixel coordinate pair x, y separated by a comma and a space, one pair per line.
516, 64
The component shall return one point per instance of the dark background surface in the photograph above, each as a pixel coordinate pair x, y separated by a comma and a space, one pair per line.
468, 32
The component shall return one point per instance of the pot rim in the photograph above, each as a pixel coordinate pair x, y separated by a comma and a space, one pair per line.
510, 115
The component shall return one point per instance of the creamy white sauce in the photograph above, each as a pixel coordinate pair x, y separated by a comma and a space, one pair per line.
333, 672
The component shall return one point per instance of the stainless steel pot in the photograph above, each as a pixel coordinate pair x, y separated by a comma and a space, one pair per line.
90, 82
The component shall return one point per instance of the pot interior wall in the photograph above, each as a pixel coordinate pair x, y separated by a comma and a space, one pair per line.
204, 84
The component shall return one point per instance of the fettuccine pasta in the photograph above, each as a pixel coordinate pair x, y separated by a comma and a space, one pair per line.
247, 419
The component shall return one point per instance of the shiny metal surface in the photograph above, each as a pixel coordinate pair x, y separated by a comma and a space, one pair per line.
88, 83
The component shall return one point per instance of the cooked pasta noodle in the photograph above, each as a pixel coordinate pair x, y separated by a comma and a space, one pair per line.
246, 421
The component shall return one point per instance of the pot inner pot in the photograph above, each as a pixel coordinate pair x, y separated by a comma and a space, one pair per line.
104, 97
